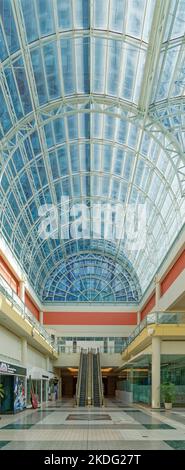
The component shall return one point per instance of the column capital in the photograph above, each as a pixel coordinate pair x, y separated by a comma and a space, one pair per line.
157, 279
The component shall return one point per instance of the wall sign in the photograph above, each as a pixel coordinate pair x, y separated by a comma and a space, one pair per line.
6, 368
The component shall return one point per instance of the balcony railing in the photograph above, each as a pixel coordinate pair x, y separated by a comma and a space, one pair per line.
25, 313
157, 318
64, 349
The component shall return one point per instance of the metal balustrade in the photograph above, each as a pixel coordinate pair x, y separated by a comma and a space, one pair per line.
63, 349
158, 318
25, 313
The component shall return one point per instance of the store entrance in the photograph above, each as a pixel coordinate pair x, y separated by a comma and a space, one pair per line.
7, 404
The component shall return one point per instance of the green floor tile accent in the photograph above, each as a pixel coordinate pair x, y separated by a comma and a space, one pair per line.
177, 445
158, 426
3, 443
17, 426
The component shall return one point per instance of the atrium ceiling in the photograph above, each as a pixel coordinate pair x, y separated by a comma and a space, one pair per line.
92, 108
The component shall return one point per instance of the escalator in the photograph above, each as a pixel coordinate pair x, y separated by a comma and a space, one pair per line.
96, 390
82, 400
98, 399
82, 380
89, 383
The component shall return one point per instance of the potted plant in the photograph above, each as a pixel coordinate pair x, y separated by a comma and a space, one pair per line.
168, 394
1, 393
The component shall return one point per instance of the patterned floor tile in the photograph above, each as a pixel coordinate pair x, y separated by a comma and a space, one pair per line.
177, 445
128, 428
128, 445
3, 443
17, 426
158, 426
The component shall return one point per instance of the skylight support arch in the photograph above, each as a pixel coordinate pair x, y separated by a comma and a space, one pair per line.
56, 74
153, 127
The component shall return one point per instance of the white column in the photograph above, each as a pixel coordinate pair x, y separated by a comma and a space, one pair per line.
22, 290
41, 317
156, 371
157, 293
138, 317
24, 352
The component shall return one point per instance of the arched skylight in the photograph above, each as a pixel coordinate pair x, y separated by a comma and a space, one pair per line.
92, 277
91, 108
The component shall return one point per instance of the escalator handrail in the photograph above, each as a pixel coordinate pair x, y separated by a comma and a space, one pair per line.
89, 389
100, 380
79, 379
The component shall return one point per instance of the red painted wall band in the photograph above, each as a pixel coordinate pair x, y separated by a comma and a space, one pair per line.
31, 306
90, 318
95, 318
7, 274
148, 307
174, 272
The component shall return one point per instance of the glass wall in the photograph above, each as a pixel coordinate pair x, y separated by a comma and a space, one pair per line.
173, 370
44, 390
103, 344
137, 378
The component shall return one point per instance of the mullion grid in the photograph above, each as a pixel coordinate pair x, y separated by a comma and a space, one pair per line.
118, 275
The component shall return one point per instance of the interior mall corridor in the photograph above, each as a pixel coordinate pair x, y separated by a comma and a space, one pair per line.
63, 426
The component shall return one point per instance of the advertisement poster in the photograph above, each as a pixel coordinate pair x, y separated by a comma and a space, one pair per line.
19, 394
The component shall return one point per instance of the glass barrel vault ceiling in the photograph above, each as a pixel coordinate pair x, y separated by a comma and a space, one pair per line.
91, 107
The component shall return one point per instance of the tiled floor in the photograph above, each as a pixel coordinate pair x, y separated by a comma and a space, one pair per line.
113, 427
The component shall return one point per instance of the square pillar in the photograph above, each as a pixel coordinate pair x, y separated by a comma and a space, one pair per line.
156, 371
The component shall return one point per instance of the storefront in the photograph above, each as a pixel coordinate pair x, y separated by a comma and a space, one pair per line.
38, 383
13, 381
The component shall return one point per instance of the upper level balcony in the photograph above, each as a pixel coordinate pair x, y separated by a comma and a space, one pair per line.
19, 319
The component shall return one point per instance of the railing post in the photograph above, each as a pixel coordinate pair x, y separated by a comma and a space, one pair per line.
79, 379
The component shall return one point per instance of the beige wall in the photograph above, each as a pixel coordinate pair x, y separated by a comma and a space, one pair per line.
67, 360
10, 345
73, 360
35, 358
91, 330
11, 349
111, 360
